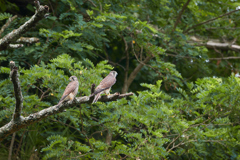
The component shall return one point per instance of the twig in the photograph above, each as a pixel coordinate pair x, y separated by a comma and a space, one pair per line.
93, 88
98, 132
228, 13
92, 3
224, 58
110, 62
7, 24
11, 146
136, 70
17, 90
66, 125
19, 144
180, 15
43, 93
136, 148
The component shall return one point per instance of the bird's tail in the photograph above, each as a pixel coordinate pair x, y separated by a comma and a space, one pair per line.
97, 96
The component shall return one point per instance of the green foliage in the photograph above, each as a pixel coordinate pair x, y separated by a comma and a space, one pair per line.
4, 16
177, 112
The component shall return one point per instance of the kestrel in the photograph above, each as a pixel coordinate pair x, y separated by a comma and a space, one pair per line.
71, 90
105, 85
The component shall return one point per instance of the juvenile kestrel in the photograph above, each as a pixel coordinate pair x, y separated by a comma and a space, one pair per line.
71, 90
105, 85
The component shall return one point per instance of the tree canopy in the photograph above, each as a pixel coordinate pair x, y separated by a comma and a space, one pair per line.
178, 79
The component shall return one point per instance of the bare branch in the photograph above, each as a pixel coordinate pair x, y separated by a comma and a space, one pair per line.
16, 45
214, 43
134, 73
210, 20
15, 34
180, 15
12, 127
93, 88
224, 58
7, 24
17, 91
28, 40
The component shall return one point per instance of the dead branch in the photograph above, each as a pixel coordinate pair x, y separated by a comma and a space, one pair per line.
17, 90
16, 46
28, 40
214, 43
15, 34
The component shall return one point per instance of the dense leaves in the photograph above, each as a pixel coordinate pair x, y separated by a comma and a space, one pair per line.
186, 102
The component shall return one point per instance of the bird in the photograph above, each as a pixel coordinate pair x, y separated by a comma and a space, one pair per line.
71, 90
105, 85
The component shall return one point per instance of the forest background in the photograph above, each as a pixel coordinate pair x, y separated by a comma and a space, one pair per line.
180, 58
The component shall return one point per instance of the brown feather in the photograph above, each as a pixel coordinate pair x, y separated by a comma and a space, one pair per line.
106, 83
69, 89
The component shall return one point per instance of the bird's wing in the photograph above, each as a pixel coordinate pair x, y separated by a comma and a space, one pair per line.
106, 83
69, 89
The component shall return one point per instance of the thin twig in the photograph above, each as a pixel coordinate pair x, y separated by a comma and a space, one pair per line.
210, 20
180, 15
19, 144
92, 3
66, 125
137, 147
11, 146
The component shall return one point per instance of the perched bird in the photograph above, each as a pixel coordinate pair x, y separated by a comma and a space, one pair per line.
105, 85
71, 90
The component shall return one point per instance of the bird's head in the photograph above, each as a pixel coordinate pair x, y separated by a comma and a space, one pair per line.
73, 78
114, 73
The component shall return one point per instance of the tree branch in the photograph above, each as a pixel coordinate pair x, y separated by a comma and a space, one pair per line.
180, 15
12, 126
7, 24
125, 85
15, 34
136, 70
228, 13
224, 58
17, 91
28, 40
16, 46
